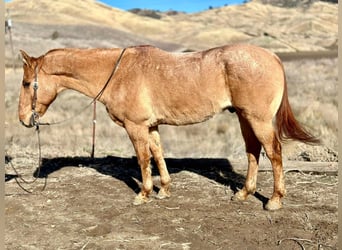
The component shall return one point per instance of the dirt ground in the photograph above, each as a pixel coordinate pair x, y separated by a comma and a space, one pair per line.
87, 203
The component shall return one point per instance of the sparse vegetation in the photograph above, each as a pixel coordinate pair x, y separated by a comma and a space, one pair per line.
173, 12
146, 12
294, 3
55, 35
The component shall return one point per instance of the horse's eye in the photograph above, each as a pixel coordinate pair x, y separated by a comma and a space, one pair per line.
26, 84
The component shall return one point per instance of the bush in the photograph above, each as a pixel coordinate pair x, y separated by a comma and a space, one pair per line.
145, 12
54, 35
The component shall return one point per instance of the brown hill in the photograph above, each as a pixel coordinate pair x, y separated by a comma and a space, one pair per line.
64, 12
281, 29
88, 23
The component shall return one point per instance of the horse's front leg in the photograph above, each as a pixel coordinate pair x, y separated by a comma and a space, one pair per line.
139, 136
157, 152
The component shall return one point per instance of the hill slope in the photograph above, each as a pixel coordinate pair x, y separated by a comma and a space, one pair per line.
85, 23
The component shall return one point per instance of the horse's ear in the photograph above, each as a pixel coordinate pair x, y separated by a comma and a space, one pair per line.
27, 60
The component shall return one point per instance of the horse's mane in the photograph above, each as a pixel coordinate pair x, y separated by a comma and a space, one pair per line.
58, 50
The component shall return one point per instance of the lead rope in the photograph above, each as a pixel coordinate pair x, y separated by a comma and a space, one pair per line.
94, 127
37, 124
19, 179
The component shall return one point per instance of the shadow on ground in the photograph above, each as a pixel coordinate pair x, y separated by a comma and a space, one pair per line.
127, 170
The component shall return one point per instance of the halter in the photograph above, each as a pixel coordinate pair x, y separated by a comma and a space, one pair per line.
35, 115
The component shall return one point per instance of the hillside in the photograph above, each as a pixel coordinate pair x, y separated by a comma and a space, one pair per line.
303, 28
41, 25
76, 12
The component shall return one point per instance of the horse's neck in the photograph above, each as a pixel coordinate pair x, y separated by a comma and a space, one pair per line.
85, 71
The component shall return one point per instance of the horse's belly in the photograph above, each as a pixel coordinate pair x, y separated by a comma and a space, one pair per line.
182, 114
185, 119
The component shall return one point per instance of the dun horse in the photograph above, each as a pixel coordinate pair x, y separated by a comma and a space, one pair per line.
152, 87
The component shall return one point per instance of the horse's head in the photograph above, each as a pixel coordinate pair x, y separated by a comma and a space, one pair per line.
37, 91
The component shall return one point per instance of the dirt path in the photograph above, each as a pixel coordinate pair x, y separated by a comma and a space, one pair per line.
87, 204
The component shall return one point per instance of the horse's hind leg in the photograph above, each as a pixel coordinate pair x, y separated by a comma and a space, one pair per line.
253, 148
157, 152
139, 136
265, 133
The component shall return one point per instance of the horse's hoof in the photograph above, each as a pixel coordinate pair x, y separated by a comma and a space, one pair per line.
240, 196
162, 194
140, 199
273, 205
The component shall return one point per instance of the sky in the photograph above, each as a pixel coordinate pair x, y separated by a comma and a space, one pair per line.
164, 5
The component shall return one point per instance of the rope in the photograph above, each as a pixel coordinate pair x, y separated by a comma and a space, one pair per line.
94, 127
18, 177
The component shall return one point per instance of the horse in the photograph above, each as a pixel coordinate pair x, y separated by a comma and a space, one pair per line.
146, 87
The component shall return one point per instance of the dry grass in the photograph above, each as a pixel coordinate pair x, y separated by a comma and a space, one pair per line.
313, 92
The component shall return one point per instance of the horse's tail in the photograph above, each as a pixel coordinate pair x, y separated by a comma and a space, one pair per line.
287, 125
